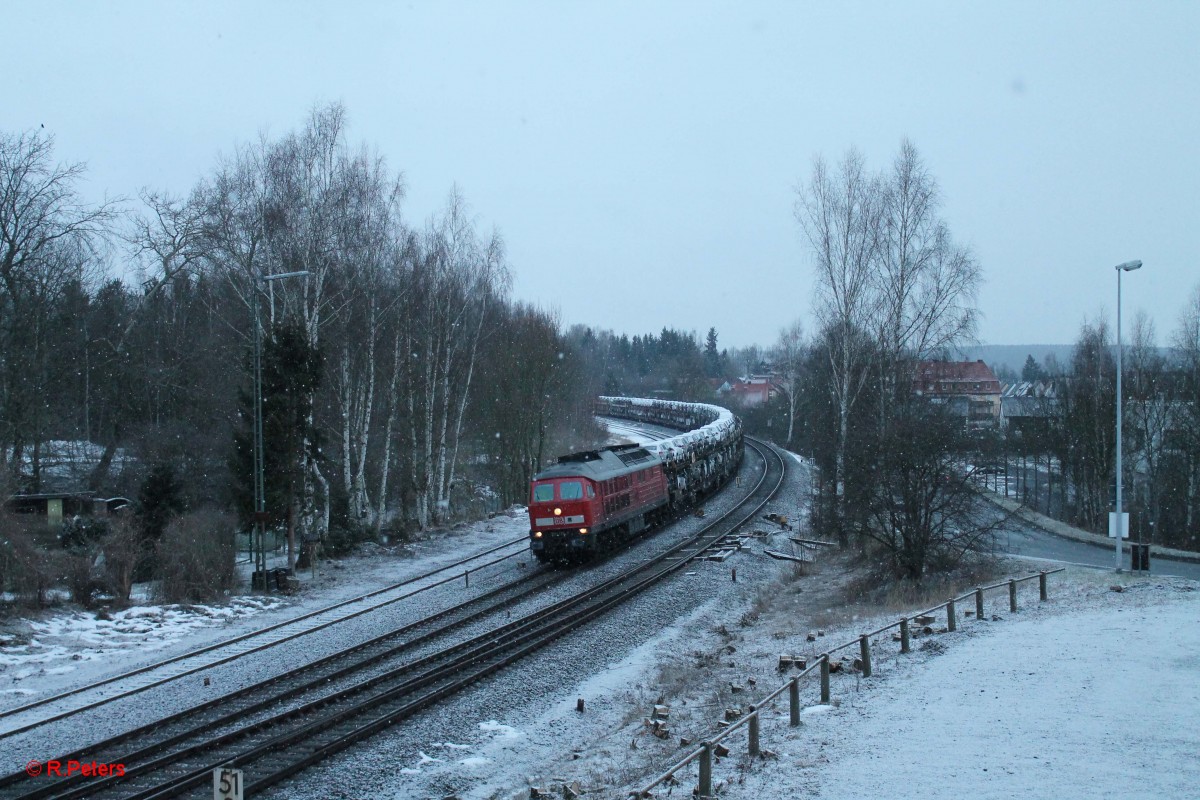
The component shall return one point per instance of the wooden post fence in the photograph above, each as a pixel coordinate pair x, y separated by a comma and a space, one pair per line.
705, 752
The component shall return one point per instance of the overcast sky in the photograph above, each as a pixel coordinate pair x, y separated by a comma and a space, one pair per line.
641, 159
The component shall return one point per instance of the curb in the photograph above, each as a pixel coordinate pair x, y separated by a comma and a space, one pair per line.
1063, 530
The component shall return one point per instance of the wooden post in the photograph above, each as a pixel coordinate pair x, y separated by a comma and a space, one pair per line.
864, 646
794, 697
1042, 587
753, 731
979, 602
951, 622
825, 678
904, 640
705, 788
1012, 595
467, 578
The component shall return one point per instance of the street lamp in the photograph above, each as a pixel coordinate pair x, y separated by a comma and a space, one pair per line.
1118, 527
260, 493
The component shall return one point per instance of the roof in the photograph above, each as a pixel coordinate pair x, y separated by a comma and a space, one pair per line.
599, 465
955, 377
955, 371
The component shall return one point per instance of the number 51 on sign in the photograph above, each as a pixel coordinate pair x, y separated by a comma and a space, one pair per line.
227, 784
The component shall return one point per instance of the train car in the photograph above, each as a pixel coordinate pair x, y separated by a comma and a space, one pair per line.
595, 501
598, 500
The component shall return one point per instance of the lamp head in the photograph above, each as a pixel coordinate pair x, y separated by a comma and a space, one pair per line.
1129, 266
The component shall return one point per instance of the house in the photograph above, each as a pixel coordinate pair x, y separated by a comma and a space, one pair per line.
754, 390
56, 506
1027, 408
969, 388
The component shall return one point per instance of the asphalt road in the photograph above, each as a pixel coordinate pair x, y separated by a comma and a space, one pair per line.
1021, 539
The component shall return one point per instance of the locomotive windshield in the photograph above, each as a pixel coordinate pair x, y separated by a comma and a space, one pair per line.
570, 490
543, 492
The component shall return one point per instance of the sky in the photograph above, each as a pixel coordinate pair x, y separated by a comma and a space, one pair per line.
641, 159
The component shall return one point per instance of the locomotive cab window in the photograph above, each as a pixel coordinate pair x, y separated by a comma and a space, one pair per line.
570, 490
590, 492
543, 492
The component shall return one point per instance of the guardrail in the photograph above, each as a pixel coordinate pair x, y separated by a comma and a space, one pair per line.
750, 720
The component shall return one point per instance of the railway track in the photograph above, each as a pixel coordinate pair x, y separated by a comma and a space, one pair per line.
92, 695
323, 718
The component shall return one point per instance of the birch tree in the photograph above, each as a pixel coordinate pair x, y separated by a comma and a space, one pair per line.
926, 284
839, 213
788, 356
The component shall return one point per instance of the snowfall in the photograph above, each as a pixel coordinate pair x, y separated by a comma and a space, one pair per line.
1094, 693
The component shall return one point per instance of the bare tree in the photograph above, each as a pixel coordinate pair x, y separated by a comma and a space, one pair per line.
1149, 406
927, 284
1088, 410
923, 510
788, 355
48, 237
1185, 419
840, 215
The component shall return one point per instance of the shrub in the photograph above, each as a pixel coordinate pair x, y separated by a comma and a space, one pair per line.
122, 552
197, 557
33, 568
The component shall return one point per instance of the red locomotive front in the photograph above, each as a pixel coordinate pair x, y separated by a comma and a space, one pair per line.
562, 509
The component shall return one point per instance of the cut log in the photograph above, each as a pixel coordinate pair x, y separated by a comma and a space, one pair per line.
835, 665
731, 714
785, 662
803, 558
735, 688
812, 636
924, 619
662, 712
720, 750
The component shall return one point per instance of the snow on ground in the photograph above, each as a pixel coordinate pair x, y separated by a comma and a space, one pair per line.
1094, 694
60, 648
58, 644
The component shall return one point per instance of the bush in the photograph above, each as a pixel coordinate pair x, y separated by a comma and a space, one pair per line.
83, 577
197, 557
122, 552
32, 569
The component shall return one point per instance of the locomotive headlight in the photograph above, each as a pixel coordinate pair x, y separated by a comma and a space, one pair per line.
537, 534
558, 512
582, 531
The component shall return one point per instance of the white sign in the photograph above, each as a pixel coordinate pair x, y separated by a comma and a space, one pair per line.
227, 784
1112, 524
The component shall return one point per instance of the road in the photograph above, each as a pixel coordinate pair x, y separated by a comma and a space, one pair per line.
1019, 538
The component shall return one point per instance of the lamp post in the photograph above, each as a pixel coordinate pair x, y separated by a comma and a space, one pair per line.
260, 493
1119, 528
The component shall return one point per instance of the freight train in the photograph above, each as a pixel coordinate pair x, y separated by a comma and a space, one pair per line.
598, 500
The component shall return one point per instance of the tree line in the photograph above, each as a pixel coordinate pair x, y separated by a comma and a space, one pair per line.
399, 377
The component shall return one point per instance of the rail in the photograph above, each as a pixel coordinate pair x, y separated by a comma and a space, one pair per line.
750, 720
465, 576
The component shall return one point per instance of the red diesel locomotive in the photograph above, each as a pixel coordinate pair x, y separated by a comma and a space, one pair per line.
595, 501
